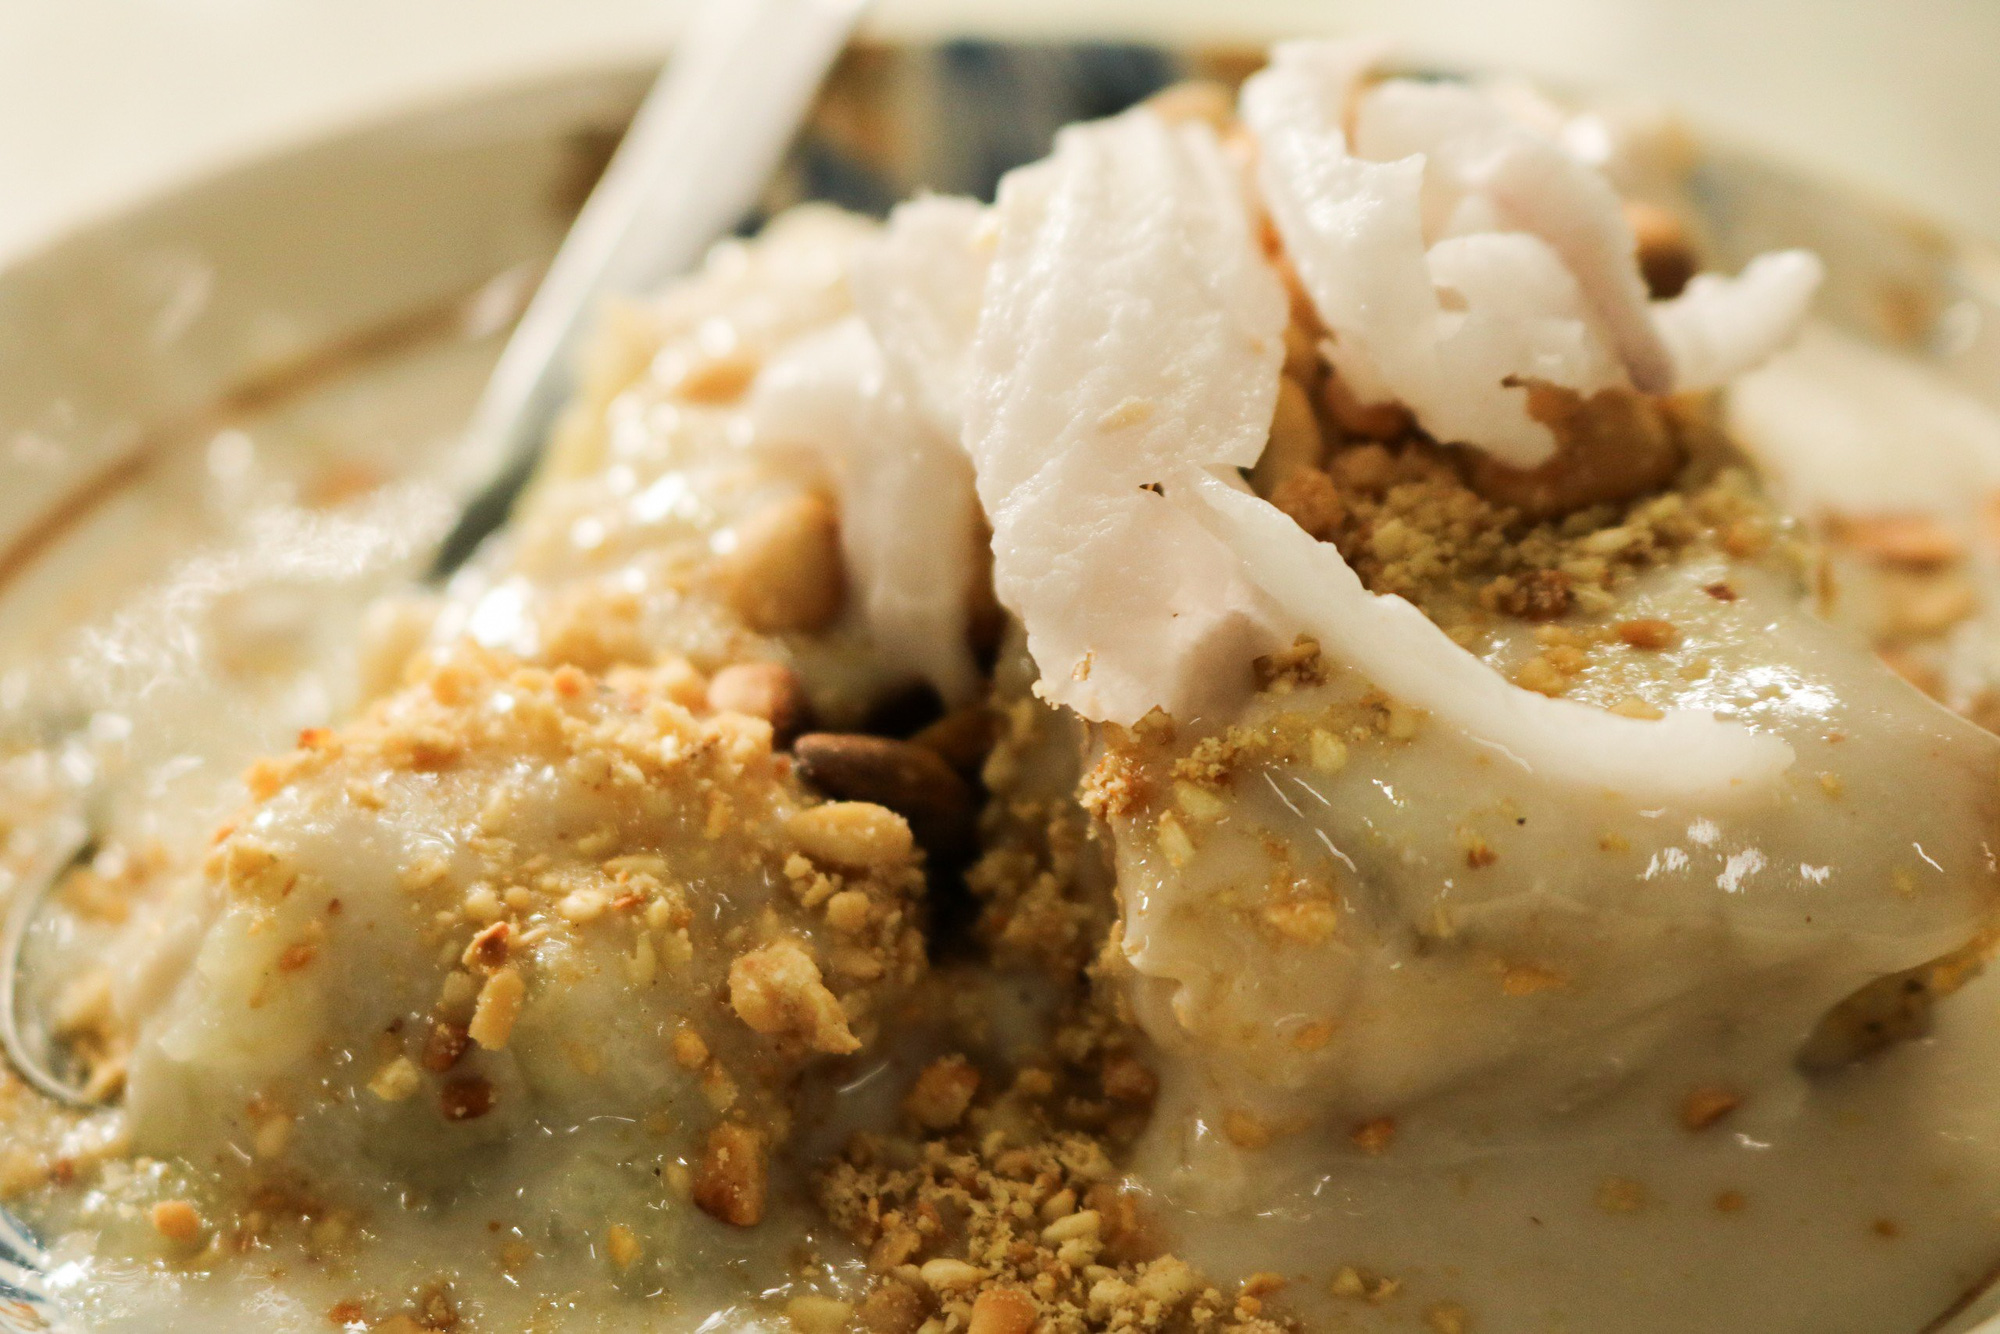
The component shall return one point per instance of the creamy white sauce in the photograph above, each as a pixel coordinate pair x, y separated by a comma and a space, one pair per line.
1868, 1201
1557, 1189
1848, 429
1617, 927
259, 632
1867, 1197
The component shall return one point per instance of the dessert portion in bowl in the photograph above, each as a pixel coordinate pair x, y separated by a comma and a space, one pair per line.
1229, 741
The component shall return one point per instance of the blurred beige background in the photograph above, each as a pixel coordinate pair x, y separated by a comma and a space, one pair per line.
103, 101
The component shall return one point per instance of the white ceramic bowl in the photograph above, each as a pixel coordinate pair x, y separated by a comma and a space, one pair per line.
311, 277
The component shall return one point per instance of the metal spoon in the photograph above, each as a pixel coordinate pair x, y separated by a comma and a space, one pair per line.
706, 139
68, 842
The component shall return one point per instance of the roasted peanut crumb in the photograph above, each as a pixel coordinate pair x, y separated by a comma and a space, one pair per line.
939, 1098
778, 991
1373, 1137
731, 1181
622, 1245
177, 1221
1706, 1105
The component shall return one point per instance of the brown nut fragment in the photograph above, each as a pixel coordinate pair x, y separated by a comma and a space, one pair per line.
1666, 254
177, 1221
1365, 469
1649, 632
1374, 1137
488, 949
767, 690
1447, 1318
1246, 1130
731, 1181
1126, 1079
434, 1307
623, 1246
778, 992
948, 1274
910, 779
854, 835
444, 1046
715, 380
942, 1094
690, 1051
962, 738
1311, 500
1003, 1311
894, 1307
500, 1002
1707, 1104
1191, 100
466, 1099
1368, 421
784, 572
397, 1080
1538, 595
810, 1313
1610, 447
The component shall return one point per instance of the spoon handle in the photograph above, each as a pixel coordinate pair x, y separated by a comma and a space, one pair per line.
697, 156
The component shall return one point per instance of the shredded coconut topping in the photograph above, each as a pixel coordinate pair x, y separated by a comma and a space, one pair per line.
1108, 337
1457, 254
1131, 327
919, 286
908, 518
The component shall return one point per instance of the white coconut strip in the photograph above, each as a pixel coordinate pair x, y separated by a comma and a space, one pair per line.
1473, 147
1486, 168
1686, 754
1523, 317
1353, 228
920, 285
1508, 274
1131, 329
1721, 327
1438, 164
908, 518
1354, 232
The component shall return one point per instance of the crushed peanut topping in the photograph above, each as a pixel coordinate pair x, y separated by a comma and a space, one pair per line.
177, 1221
1407, 519
997, 1265
942, 1094
734, 1176
565, 828
778, 991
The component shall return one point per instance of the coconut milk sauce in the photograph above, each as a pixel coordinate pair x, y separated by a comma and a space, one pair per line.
1864, 1199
